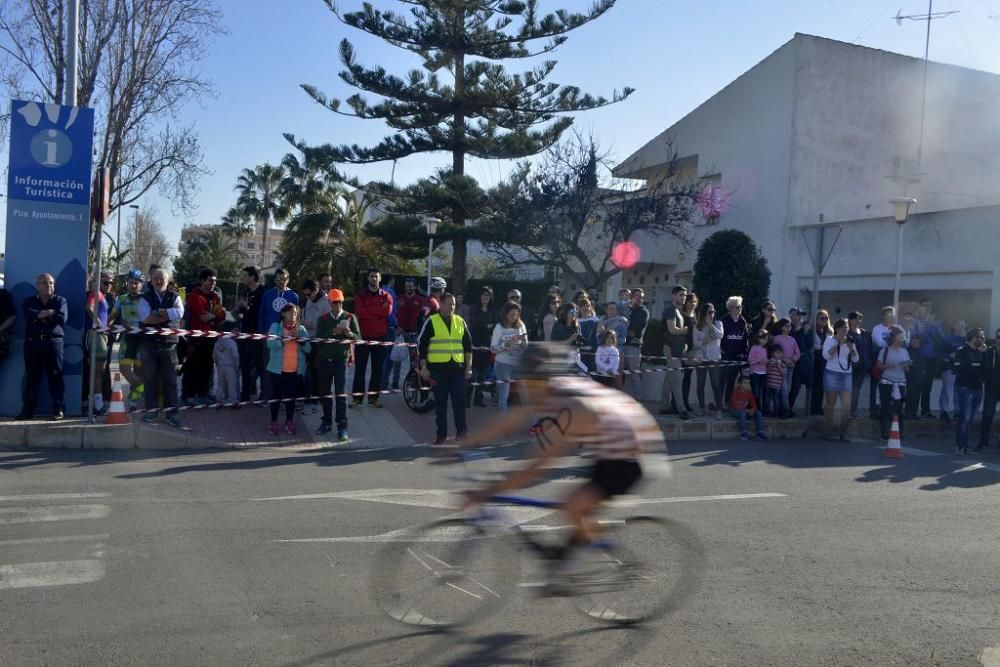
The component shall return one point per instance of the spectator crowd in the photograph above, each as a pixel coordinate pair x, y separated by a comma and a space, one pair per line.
732, 364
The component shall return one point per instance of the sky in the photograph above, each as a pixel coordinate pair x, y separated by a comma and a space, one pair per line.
676, 54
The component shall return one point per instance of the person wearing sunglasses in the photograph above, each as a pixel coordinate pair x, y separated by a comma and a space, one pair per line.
766, 319
821, 332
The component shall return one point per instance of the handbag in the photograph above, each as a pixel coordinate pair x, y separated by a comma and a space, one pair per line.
399, 353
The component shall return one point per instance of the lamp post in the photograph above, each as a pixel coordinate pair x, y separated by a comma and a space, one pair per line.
118, 239
432, 225
901, 211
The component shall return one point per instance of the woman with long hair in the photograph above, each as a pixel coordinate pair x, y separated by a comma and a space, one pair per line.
287, 364
566, 330
688, 313
821, 331
547, 316
839, 355
707, 353
508, 343
482, 320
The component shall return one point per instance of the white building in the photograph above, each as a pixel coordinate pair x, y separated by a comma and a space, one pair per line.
826, 132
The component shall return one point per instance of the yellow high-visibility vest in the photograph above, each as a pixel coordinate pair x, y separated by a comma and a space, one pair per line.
446, 345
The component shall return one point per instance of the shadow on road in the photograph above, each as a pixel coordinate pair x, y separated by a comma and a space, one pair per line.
593, 645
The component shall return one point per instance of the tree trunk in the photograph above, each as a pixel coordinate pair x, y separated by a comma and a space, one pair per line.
459, 249
263, 243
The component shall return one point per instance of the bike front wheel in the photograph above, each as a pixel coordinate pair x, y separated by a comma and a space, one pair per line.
417, 399
443, 574
638, 569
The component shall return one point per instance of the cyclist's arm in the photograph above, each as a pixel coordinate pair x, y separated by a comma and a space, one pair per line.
515, 418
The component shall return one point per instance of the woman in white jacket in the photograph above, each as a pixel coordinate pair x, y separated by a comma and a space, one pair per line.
707, 354
510, 339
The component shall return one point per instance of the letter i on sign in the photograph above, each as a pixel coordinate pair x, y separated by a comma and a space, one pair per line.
51, 151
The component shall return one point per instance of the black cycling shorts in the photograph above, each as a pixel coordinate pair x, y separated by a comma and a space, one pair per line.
129, 347
615, 477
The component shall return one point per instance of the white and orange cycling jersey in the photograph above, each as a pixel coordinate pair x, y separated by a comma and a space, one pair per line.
626, 430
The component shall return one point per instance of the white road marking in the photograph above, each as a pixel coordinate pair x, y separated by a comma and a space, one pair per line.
55, 540
978, 465
57, 573
53, 513
435, 498
990, 656
54, 496
691, 499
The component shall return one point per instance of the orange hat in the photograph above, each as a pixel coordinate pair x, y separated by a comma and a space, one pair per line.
336, 295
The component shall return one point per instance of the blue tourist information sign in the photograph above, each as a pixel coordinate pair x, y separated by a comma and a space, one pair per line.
48, 224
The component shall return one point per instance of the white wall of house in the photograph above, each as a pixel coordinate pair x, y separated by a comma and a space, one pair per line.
823, 130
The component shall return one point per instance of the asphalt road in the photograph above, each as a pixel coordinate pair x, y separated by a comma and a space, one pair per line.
116, 558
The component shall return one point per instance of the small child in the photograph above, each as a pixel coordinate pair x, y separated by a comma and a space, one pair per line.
776, 369
743, 405
608, 359
227, 364
757, 360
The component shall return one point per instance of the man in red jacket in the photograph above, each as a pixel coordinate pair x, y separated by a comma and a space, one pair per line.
204, 313
372, 306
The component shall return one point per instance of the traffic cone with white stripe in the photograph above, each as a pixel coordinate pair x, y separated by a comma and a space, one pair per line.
893, 450
116, 411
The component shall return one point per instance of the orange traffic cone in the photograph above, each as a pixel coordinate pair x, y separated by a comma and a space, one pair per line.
894, 449
116, 411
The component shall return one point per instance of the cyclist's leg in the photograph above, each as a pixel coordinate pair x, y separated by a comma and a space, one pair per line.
579, 507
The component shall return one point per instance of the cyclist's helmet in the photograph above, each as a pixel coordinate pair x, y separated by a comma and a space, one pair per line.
134, 274
542, 361
438, 284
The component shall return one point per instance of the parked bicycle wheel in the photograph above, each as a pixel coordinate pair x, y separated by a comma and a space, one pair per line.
417, 399
447, 573
640, 569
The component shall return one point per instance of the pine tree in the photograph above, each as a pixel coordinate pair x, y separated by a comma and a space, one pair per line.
483, 110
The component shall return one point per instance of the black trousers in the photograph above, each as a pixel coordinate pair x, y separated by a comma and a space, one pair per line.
251, 366
335, 371
890, 407
286, 386
992, 397
926, 382
362, 355
43, 357
198, 368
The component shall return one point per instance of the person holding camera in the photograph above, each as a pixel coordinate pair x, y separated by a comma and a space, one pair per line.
840, 353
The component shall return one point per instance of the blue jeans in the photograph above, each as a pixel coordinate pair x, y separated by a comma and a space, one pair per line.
758, 420
449, 383
504, 372
966, 402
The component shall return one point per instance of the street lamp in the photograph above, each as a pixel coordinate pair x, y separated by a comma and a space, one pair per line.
901, 211
432, 225
118, 239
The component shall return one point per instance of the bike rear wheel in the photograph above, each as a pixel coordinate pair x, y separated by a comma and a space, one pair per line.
639, 569
443, 574
417, 399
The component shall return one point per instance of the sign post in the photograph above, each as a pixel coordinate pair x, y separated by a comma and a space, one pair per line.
820, 241
48, 224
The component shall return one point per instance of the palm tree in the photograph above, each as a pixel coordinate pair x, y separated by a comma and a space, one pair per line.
303, 184
236, 226
261, 198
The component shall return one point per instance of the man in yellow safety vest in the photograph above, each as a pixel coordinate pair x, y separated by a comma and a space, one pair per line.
445, 349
